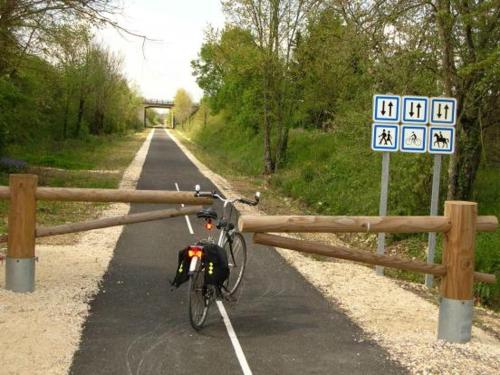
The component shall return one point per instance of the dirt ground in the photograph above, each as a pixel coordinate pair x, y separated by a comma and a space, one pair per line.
394, 315
40, 331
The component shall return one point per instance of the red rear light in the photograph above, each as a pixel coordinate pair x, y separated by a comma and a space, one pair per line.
209, 225
195, 251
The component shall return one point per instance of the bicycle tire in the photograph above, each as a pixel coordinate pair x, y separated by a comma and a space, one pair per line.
238, 264
415, 142
198, 301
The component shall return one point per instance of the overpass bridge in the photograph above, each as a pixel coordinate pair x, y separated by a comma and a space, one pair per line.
159, 103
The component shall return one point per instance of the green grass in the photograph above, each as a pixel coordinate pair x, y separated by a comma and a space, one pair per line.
94, 162
336, 173
93, 152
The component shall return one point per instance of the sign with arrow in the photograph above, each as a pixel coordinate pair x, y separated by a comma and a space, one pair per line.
415, 109
385, 137
413, 138
443, 111
386, 108
441, 140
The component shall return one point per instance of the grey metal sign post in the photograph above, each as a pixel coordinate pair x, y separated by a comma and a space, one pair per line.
436, 175
384, 191
385, 138
441, 141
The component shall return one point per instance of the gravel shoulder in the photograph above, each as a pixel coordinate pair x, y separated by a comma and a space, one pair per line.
40, 331
398, 319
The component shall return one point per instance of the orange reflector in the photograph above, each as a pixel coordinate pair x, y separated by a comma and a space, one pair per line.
209, 225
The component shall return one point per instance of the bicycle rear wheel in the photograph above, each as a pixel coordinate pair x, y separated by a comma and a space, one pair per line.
198, 300
236, 251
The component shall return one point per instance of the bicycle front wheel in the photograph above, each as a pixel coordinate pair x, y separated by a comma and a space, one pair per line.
236, 251
198, 299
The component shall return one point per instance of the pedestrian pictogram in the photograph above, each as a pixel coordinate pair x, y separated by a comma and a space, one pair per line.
443, 111
386, 108
385, 137
441, 140
413, 138
415, 109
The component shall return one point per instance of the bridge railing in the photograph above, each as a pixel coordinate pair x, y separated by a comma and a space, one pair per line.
158, 101
459, 226
24, 193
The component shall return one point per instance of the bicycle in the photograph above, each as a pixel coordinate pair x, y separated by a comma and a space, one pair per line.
200, 295
413, 141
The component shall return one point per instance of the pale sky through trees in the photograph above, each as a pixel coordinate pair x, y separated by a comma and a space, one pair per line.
179, 26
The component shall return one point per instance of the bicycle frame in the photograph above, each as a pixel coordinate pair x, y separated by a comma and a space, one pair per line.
224, 232
223, 223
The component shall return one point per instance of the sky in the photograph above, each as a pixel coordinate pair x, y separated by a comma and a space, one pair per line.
164, 65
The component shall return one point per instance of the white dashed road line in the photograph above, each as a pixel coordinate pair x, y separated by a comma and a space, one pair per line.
234, 340
188, 222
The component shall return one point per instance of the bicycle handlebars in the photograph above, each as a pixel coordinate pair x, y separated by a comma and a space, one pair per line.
214, 194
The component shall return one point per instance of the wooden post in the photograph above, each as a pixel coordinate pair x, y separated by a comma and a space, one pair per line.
456, 306
20, 265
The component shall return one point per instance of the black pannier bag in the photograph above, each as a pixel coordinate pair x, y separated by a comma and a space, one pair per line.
216, 265
182, 273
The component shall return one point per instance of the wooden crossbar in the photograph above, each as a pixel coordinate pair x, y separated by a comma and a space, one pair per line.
113, 195
359, 256
111, 222
362, 224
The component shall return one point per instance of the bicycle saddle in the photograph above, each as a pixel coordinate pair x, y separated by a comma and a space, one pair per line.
207, 213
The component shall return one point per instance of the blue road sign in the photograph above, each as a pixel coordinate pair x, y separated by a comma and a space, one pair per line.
441, 140
386, 108
415, 109
443, 111
413, 138
385, 137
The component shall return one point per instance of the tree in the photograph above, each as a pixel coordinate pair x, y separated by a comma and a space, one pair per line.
183, 105
29, 26
463, 35
469, 32
274, 24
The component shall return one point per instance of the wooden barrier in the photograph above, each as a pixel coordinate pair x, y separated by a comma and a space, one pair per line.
112, 221
23, 194
459, 225
346, 224
112, 195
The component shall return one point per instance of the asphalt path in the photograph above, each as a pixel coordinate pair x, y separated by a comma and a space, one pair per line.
282, 324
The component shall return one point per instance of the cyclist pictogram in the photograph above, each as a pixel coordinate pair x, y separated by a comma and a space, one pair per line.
413, 138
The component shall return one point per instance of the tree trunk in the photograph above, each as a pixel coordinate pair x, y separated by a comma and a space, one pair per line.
65, 120
7, 39
81, 108
282, 147
468, 156
445, 29
268, 160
